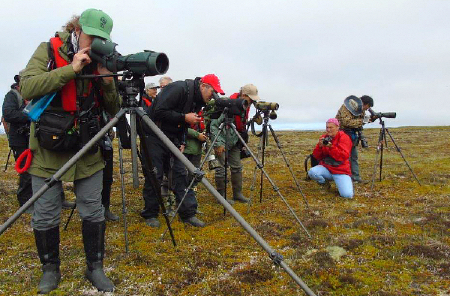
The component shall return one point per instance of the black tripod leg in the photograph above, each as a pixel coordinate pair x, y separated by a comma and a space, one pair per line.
381, 157
264, 140
150, 169
70, 216
288, 165
275, 188
7, 160
381, 138
406, 162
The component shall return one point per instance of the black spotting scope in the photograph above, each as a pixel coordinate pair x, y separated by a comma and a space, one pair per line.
382, 114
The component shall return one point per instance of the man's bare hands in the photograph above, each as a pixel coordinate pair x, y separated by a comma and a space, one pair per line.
81, 59
201, 137
192, 118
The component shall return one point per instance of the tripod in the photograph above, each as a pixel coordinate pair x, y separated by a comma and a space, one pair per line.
133, 111
262, 148
227, 124
382, 141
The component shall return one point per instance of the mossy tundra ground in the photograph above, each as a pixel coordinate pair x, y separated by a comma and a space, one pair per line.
392, 240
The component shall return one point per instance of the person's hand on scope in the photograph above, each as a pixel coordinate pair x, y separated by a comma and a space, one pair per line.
219, 150
192, 118
81, 59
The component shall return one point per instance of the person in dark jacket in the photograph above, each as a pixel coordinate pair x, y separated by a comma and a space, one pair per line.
19, 131
173, 111
332, 151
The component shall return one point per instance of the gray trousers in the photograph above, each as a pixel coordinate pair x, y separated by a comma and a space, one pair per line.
47, 209
234, 161
354, 161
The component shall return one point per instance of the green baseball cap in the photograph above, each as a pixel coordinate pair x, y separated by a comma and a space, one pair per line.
96, 23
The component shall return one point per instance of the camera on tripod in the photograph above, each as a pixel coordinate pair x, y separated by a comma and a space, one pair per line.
375, 115
146, 63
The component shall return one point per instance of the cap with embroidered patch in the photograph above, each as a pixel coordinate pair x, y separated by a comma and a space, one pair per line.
95, 22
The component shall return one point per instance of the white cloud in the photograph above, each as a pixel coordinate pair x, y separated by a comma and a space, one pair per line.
306, 55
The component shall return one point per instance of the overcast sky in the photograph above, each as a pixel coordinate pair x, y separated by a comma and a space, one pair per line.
306, 55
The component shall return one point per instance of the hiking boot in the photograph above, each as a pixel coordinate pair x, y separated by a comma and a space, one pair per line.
153, 222
109, 216
194, 221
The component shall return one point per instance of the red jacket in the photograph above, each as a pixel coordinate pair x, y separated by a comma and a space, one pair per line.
238, 120
339, 151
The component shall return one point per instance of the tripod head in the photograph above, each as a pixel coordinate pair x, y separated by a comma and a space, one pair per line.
130, 87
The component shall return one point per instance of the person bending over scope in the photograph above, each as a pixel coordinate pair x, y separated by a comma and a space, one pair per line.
332, 151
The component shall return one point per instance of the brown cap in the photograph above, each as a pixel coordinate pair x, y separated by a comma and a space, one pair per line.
251, 91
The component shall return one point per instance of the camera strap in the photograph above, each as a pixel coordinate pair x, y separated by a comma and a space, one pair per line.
69, 90
190, 92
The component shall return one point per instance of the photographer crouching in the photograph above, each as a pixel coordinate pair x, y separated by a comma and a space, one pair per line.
72, 118
332, 151
249, 93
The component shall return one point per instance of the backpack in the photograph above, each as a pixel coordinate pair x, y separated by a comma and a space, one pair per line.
20, 102
313, 161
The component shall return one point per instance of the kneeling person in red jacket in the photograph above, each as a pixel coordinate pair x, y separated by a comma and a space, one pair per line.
332, 151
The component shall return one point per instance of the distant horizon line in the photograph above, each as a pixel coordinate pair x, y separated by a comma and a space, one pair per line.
308, 127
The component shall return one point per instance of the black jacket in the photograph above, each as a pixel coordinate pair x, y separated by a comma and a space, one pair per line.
19, 124
171, 104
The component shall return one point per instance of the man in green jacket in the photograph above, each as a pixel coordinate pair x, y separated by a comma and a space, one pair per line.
195, 138
53, 68
229, 140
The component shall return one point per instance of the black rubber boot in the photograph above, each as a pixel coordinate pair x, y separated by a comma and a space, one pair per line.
94, 247
221, 187
236, 183
47, 243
